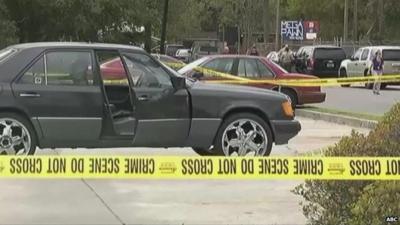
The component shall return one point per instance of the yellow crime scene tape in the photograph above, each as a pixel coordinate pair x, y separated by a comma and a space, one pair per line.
179, 167
318, 82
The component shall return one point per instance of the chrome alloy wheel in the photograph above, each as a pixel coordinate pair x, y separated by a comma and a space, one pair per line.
14, 137
244, 137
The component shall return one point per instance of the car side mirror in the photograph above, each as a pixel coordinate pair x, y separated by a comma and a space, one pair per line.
178, 82
198, 75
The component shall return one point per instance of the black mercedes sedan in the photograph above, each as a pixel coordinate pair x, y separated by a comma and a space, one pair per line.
71, 95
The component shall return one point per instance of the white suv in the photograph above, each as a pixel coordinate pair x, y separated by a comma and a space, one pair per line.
360, 62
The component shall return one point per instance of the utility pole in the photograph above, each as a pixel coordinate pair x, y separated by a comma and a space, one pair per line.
277, 25
380, 20
164, 27
355, 20
266, 20
346, 20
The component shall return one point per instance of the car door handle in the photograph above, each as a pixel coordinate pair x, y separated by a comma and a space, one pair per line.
143, 98
29, 95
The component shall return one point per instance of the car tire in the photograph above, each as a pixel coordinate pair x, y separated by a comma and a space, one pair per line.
343, 74
384, 86
248, 120
19, 126
292, 95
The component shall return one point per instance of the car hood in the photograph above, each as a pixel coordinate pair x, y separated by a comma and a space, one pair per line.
237, 90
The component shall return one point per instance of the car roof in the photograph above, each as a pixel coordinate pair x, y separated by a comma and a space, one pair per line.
384, 47
325, 46
74, 45
235, 56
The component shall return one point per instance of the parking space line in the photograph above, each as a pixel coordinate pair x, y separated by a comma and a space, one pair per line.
103, 201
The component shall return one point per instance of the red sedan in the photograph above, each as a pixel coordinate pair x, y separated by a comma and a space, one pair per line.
254, 67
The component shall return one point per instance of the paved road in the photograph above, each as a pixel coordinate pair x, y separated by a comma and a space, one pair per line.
163, 202
361, 100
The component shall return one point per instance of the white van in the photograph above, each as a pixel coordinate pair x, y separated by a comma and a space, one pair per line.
360, 63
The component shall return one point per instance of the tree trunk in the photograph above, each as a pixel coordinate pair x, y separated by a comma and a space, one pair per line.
164, 28
277, 25
346, 20
147, 36
380, 20
266, 20
355, 20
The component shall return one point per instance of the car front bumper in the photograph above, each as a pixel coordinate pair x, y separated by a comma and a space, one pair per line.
284, 130
312, 97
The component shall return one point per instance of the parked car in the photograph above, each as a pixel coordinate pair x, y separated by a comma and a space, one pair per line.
169, 61
360, 63
55, 95
199, 51
273, 56
113, 69
319, 60
254, 67
184, 55
171, 49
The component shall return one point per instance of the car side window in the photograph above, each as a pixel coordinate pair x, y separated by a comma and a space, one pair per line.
220, 65
248, 68
264, 71
145, 72
112, 70
364, 55
357, 55
35, 74
69, 68
61, 68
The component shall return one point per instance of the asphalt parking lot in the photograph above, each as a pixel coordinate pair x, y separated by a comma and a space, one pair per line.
163, 202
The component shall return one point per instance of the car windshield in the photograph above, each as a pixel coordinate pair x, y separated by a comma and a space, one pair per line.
278, 66
391, 54
189, 67
5, 53
329, 53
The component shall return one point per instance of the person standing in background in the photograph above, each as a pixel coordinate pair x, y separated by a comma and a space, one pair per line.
253, 51
286, 58
377, 70
226, 48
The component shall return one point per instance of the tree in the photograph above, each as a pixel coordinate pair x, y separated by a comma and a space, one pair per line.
8, 30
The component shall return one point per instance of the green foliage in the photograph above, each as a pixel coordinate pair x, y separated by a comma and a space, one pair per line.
117, 20
8, 29
377, 201
345, 202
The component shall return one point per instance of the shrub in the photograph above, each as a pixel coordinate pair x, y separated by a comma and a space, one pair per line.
343, 202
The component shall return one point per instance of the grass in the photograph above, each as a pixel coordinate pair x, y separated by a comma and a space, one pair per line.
345, 113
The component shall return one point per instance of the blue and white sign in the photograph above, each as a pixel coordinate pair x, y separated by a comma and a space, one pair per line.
292, 30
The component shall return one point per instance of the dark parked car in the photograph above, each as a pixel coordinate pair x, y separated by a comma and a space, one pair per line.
254, 67
56, 95
319, 60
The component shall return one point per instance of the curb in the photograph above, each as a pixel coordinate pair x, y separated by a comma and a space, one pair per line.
339, 119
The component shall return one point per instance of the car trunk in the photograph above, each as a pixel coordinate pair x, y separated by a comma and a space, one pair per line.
327, 61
